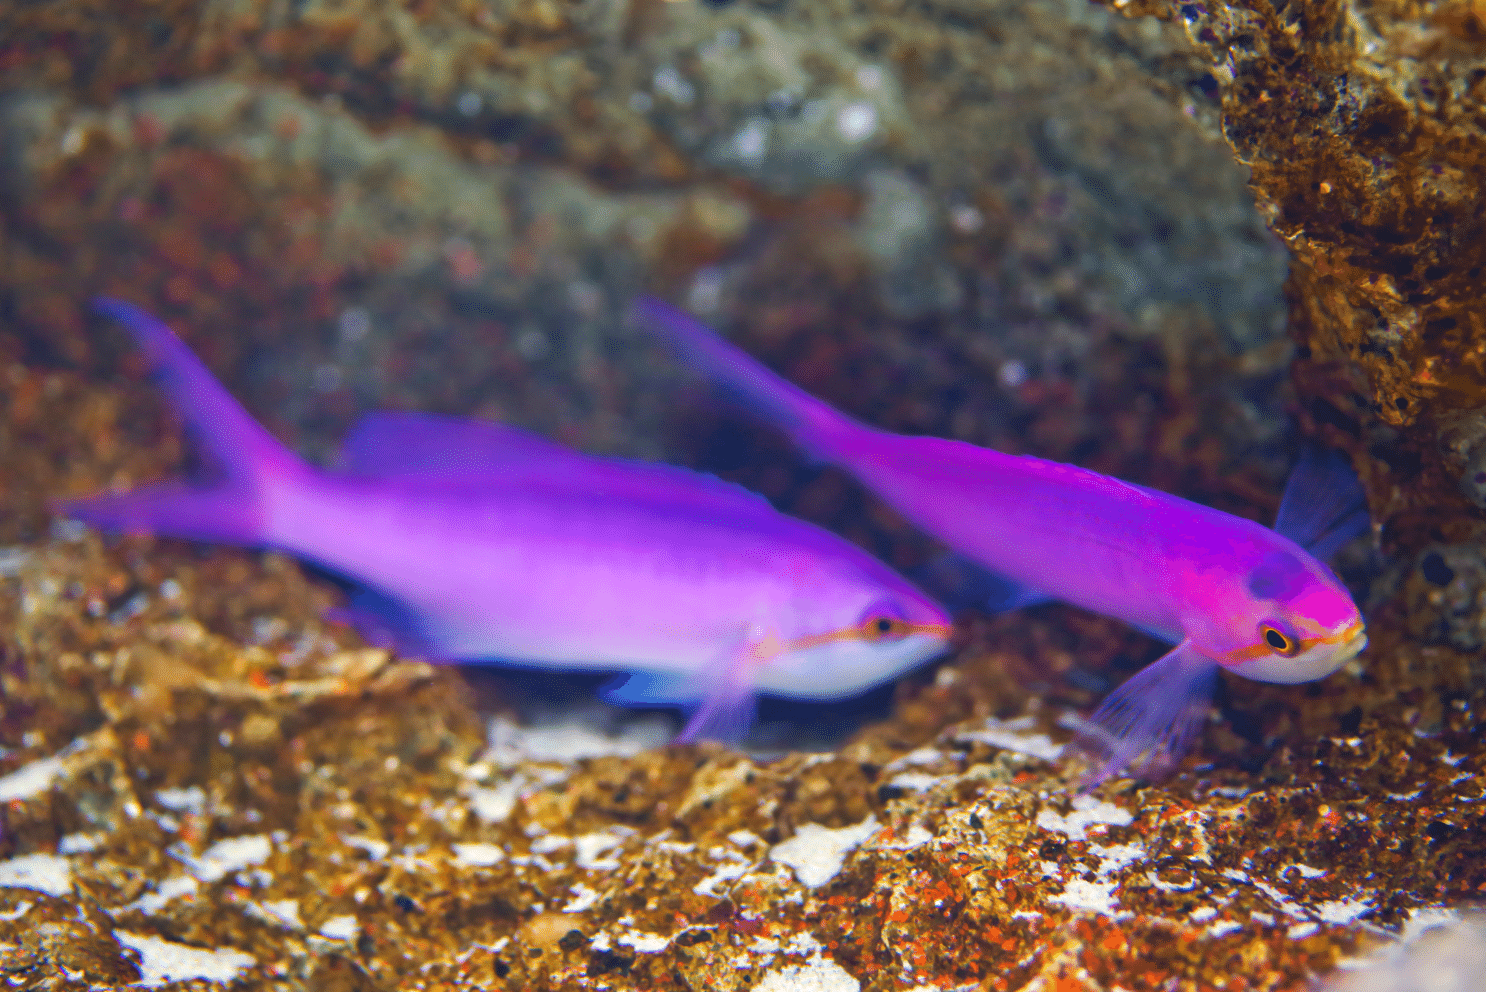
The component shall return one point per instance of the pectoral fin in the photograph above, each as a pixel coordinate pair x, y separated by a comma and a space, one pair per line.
719, 695
1147, 724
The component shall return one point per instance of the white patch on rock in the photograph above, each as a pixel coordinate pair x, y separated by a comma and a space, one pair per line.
745, 838
729, 872
227, 856
188, 800
550, 843
816, 975
917, 781
1116, 856
172, 888
583, 899
916, 836
30, 780
857, 121
588, 847
573, 737
39, 872
478, 855
162, 961
21, 909
1342, 911
340, 928
494, 804
1013, 735
644, 943
12, 560
1087, 812
817, 853
79, 843
1088, 897
370, 846
281, 912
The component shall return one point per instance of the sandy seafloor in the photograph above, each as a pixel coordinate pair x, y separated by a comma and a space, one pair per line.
1016, 223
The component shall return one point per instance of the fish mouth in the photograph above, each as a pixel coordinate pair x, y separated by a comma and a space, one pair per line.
1355, 639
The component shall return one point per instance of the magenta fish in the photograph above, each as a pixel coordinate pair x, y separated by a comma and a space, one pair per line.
1227, 592
470, 540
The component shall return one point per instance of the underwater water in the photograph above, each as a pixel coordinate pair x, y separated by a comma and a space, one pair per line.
1172, 243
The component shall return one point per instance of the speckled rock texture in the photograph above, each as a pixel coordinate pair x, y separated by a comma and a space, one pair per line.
1363, 124
1024, 224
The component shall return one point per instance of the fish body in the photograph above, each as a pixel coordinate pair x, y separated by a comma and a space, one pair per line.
469, 540
1226, 591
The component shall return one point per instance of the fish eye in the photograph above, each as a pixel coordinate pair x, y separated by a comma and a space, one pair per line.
1279, 642
879, 627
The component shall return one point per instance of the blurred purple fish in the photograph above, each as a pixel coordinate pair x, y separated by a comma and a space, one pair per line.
474, 541
1226, 591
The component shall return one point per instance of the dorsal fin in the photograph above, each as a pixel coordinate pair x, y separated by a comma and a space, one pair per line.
388, 443
1324, 506
398, 444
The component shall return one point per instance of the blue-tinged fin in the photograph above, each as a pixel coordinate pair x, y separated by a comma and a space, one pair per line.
639, 689
1147, 724
718, 696
812, 424
1324, 505
960, 583
385, 622
395, 445
390, 443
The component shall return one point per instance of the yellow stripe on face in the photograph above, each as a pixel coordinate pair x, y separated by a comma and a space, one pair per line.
861, 632
1262, 650
1352, 632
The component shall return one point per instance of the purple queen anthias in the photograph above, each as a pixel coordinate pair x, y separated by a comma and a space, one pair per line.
470, 540
1225, 591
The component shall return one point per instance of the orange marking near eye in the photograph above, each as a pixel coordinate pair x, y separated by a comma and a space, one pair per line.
1262, 650
860, 632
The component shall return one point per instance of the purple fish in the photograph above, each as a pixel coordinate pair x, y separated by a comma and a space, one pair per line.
1226, 591
474, 541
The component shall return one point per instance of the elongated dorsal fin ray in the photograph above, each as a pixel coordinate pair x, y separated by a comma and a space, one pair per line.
1324, 505
814, 425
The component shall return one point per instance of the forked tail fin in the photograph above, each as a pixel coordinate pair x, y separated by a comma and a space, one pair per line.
812, 424
1324, 505
243, 467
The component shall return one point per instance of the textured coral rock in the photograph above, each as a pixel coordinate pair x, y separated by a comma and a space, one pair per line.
1016, 223
205, 782
1365, 129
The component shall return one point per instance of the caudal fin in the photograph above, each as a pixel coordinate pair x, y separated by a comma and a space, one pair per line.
1324, 505
242, 465
812, 424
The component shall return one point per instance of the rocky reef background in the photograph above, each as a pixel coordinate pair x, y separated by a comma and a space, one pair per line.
1167, 241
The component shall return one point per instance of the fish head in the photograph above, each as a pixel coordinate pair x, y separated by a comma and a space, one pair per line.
848, 635
1295, 621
